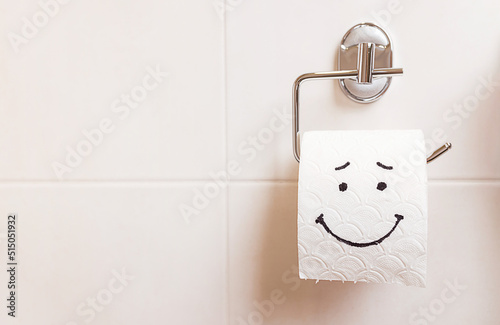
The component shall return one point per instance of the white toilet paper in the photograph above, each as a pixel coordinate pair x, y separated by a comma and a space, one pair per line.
362, 206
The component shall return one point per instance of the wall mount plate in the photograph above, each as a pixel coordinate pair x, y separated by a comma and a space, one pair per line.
379, 57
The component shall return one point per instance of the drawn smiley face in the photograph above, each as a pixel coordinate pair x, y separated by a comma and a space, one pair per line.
343, 187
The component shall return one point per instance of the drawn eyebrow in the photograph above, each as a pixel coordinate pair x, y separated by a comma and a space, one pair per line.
343, 166
384, 166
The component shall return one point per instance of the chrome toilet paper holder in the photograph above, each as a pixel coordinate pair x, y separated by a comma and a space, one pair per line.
365, 73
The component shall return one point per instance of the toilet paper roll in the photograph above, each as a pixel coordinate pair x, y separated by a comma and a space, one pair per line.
362, 207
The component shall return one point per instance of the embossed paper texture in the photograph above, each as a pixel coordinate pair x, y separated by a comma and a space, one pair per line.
362, 207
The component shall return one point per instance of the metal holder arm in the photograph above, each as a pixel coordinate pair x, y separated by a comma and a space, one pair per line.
340, 75
389, 72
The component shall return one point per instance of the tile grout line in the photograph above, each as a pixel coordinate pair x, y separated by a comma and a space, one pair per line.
201, 180
431, 181
226, 158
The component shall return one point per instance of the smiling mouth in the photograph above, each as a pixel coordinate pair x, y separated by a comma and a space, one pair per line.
322, 222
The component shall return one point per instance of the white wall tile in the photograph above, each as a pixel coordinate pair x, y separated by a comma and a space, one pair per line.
463, 247
66, 78
72, 237
444, 64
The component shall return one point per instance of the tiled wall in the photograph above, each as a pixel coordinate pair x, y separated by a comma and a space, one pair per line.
146, 149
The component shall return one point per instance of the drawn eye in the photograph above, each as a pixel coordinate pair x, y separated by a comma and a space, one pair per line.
381, 186
342, 187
